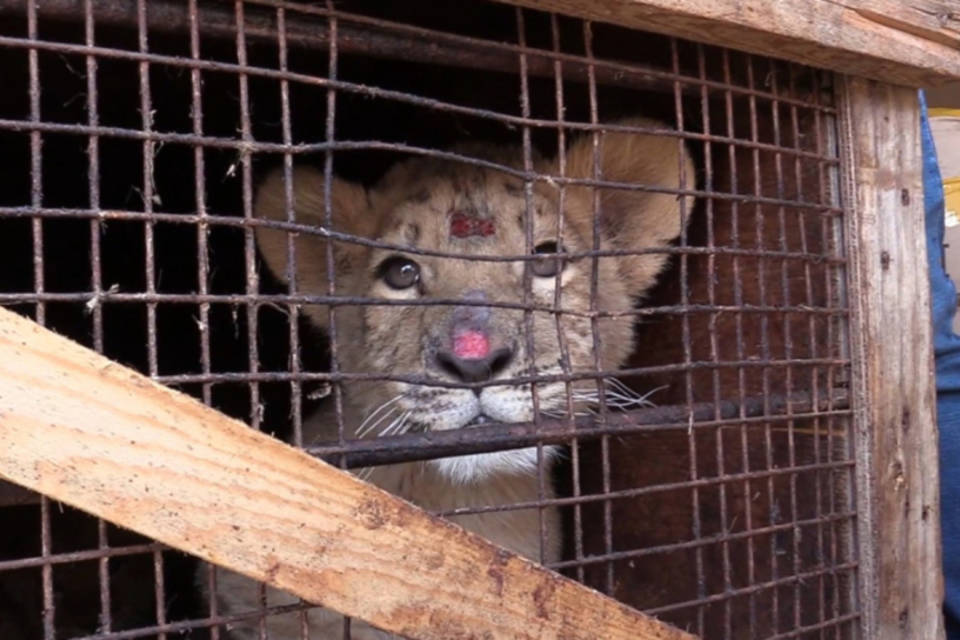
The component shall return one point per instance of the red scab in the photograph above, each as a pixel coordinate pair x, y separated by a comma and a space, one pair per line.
471, 345
463, 225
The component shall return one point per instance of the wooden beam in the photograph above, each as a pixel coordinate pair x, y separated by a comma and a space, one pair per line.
934, 20
913, 44
892, 391
93, 434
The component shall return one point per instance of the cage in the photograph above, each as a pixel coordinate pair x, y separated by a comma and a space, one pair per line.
646, 308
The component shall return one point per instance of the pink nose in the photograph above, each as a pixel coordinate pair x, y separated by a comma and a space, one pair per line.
471, 344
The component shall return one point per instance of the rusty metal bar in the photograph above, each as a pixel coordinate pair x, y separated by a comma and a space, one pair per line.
770, 584
310, 32
281, 376
415, 446
78, 556
499, 437
232, 221
747, 535
353, 145
306, 27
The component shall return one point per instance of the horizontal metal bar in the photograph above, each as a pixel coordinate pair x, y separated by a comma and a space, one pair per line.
617, 556
237, 222
411, 447
76, 556
341, 376
801, 577
804, 631
500, 437
182, 627
303, 148
699, 483
92, 298
362, 35
378, 145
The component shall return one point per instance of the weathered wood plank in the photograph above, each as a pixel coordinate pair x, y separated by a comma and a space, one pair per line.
98, 436
893, 391
934, 20
915, 44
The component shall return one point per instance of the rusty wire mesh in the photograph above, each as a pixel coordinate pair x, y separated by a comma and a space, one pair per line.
136, 135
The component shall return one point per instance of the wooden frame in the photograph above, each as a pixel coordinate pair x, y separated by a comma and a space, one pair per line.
60, 445
893, 392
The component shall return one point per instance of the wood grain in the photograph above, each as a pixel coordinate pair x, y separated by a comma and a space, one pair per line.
93, 434
913, 44
934, 20
892, 390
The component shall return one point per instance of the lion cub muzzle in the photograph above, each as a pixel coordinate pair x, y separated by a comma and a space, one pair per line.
471, 349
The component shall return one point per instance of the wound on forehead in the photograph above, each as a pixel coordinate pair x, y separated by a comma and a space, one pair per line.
464, 224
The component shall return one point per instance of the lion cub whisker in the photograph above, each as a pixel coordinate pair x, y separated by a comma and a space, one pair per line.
367, 426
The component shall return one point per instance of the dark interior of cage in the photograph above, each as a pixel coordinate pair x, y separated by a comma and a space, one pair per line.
732, 525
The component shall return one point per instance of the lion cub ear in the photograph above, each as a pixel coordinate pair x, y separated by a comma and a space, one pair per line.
351, 214
633, 219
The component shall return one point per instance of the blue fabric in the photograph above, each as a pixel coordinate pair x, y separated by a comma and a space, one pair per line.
947, 353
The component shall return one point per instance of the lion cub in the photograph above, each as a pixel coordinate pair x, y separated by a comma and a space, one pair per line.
443, 206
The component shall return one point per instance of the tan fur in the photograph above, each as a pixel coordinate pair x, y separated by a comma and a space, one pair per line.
411, 206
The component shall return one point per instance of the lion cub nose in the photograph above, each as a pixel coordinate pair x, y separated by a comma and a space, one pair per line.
471, 360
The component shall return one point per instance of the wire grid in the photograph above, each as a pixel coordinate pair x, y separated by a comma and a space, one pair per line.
139, 233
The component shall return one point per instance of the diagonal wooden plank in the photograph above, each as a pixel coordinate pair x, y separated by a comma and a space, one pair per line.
96, 435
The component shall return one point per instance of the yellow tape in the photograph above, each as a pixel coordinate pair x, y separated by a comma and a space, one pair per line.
943, 112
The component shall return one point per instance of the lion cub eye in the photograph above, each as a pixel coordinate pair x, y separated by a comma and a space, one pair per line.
548, 267
399, 273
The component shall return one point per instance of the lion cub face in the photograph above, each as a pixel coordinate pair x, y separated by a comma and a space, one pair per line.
479, 335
